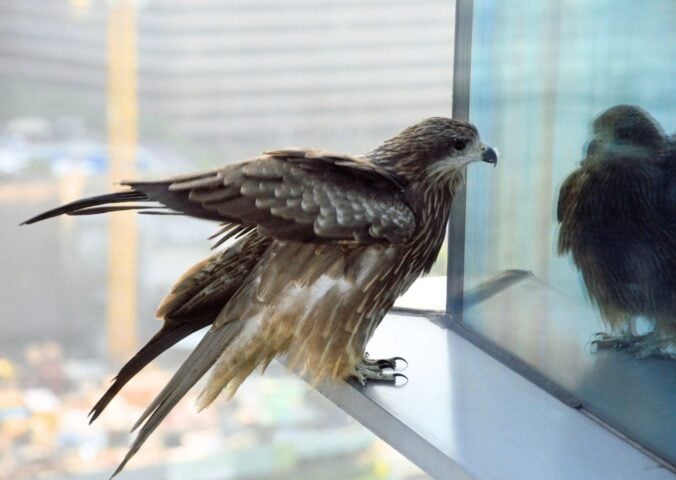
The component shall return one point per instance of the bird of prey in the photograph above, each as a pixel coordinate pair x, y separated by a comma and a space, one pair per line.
617, 215
320, 246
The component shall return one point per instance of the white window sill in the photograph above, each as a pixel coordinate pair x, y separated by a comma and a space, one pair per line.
464, 414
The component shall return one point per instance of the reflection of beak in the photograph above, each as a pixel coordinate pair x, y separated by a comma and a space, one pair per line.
488, 155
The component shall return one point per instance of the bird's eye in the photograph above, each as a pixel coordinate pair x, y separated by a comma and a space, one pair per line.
459, 144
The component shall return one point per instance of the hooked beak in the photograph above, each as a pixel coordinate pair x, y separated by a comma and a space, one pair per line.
489, 155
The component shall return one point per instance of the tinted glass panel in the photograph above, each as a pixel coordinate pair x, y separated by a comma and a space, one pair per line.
542, 73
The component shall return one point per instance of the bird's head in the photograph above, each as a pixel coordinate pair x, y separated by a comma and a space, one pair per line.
624, 130
433, 150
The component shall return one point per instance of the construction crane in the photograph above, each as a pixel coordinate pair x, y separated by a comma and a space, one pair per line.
122, 111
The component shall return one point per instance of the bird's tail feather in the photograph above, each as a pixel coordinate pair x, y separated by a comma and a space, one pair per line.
161, 341
194, 302
195, 366
98, 204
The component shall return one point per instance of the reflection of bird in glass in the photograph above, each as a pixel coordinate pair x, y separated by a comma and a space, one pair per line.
323, 245
618, 220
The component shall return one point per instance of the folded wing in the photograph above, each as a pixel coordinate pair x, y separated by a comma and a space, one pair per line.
302, 195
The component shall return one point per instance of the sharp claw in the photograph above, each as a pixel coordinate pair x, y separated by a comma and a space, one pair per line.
387, 363
400, 359
397, 375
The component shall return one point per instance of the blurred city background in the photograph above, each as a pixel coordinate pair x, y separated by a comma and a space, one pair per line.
92, 91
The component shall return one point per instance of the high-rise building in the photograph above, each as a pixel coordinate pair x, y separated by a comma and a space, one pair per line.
240, 75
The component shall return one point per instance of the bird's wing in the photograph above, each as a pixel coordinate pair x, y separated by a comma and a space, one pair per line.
303, 195
568, 193
668, 167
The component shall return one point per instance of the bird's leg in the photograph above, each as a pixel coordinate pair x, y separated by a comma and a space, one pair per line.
642, 346
374, 369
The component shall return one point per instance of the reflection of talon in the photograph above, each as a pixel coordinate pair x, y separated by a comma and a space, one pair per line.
640, 345
603, 341
373, 369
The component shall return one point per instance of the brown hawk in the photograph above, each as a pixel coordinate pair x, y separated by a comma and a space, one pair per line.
319, 247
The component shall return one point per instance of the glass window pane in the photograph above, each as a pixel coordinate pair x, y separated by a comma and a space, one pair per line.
542, 72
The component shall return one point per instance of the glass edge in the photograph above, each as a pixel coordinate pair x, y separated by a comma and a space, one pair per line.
462, 57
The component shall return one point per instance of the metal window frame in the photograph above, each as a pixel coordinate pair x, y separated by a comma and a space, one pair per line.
462, 62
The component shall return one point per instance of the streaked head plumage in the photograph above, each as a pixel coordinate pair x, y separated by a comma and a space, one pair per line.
434, 149
624, 130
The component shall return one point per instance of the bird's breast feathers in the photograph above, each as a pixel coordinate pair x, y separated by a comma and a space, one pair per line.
318, 304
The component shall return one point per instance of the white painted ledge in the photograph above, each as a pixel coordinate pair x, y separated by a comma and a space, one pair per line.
464, 415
